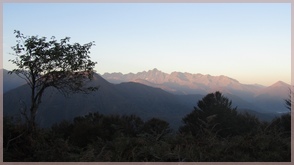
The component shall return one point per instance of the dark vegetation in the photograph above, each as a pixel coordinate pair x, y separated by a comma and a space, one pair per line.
43, 64
212, 132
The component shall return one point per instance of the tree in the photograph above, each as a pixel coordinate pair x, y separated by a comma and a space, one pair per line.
157, 128
43, 64
288, 101
214, 114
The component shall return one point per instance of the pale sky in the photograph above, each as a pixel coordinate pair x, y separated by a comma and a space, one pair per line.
249, 42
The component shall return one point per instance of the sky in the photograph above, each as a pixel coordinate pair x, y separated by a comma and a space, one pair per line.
250, 42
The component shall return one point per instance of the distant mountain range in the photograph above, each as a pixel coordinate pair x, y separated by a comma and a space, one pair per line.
184, 83
261, 98
124, 99
188, 83
146, 94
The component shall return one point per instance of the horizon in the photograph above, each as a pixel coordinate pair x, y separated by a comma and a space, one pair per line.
101, 74
216, 39
277, 81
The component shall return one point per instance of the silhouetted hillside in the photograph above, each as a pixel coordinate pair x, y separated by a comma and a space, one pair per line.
11, 81
134, 98
126, 98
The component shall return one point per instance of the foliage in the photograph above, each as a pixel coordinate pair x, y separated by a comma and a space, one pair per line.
44, 64
289, 100
102, 138
214, 113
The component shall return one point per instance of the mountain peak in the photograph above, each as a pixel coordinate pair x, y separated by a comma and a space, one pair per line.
155, 70
280, 83
278, 89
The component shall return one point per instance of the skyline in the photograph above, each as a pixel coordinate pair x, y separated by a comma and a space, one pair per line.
248, 42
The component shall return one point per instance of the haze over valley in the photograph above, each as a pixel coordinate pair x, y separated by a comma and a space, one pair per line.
244, 95
147, 94
147, 82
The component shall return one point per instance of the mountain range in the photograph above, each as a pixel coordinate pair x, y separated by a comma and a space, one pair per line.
123, 99
183, 83
146, 94
261, 98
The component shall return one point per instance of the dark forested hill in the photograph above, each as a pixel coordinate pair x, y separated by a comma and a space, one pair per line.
133, 98
11, 81
125, 98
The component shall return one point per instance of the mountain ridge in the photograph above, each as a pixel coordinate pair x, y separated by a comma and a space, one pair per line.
155, 71
123, 99
11, 81
187, 83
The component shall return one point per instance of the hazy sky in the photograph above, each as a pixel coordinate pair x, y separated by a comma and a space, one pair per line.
247, 42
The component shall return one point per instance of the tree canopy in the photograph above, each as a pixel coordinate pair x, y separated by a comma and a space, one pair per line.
99, 137
61, 65
289, 100
214, 113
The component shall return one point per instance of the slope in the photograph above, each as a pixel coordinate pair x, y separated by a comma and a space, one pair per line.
11, 81
123, 99
187, 83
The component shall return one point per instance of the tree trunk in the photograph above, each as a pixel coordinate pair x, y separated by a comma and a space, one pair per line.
32, 119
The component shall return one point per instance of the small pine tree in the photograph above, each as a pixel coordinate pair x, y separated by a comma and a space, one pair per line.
214, 114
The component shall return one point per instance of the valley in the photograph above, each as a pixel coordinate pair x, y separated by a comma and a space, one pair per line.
147, 94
